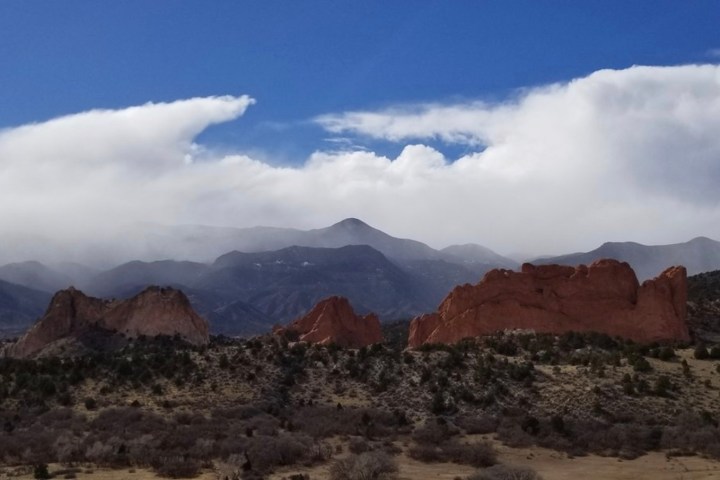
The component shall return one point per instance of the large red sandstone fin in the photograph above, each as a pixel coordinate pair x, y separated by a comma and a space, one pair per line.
604, 297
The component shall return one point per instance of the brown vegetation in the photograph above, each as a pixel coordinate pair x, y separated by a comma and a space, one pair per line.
263, 405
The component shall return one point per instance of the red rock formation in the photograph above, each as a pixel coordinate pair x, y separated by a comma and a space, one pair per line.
154, 311
334, 321
604, 297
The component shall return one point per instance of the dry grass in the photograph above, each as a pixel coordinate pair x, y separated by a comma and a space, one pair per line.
551, 465
653, 466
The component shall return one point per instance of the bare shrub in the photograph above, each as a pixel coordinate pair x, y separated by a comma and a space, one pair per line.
323, 422
320, 452
478, 424
506, 472
263, 424
366, 466
99, 453
266, 452
292, 448
177, 467
128, 419
426, 453
479, 454
204, 448
433, 434
692, 435
512, 434
228, 447
242, 412
359, 445
141, 449
67, 448
187, 418
391, 448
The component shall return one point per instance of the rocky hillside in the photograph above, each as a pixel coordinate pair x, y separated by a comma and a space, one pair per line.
269, 407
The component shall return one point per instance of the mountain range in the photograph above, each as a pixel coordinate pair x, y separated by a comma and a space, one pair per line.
698, 255
204, 244
262, 276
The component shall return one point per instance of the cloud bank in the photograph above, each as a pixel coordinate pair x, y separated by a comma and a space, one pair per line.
628, 154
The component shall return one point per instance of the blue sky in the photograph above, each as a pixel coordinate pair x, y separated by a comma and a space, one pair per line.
539, 127
302, 59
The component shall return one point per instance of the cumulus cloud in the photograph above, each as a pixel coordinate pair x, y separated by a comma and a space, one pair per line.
630, 154
654, 127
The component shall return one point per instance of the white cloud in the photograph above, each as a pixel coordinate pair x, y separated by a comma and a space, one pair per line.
652, 129
617, 155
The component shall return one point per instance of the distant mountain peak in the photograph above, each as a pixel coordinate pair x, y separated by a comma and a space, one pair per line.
702, 240
351, 222
620, 244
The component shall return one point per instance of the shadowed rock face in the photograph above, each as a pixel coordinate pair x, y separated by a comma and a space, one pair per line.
334, 321
604, 297
154, 311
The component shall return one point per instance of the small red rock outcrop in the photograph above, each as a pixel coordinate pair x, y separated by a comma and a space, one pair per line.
333, 321
154, 311
604, 297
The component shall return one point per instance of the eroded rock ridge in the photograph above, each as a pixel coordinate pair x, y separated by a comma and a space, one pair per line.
604, 297
154, 311
333, 321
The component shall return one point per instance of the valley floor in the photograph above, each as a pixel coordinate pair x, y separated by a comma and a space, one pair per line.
576, 406
551, 465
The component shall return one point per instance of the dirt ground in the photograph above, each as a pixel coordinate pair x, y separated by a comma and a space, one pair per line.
654, 466
550, 464
554, 466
